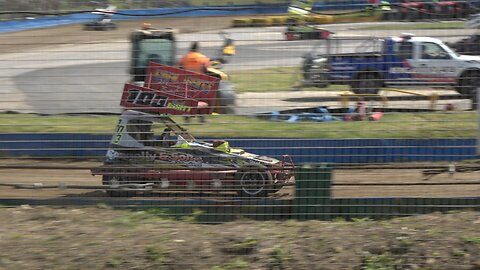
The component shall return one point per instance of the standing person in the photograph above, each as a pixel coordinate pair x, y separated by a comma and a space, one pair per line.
194, 60
197, 62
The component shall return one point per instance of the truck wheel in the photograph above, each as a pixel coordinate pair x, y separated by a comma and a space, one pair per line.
253, 182
316, 79
320, 80
468, 83
366, 83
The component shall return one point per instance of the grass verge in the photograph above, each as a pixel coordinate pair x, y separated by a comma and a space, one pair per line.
273, 79
405, 125
393, 125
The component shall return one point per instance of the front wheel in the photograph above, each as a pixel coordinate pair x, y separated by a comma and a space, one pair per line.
366, 83
253, 182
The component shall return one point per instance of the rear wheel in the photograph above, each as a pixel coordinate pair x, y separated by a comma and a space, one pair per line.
315, 78
253, 182
366, 83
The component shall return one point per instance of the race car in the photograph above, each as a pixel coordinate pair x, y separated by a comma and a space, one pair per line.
152, 150
306, 31
104, 22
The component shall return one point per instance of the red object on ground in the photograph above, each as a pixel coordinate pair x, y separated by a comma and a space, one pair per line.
449, 107
290, 36
375, 116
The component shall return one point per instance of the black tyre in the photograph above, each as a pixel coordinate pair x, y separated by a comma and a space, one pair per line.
468, 83
366, 83
307, 71
311, 76
319, 79
307, 65
253, 182
315, 78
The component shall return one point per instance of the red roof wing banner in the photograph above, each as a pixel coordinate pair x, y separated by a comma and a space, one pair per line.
160, 102
182, 82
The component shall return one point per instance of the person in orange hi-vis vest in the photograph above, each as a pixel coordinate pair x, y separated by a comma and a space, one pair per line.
197, 62
194, 60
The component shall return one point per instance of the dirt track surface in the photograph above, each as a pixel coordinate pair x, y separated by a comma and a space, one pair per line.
458, 184
99, 238
74, 34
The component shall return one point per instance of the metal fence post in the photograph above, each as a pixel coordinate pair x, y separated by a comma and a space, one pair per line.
477, 100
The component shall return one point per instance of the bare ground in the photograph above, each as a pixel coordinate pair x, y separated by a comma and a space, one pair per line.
74, 34
100, 238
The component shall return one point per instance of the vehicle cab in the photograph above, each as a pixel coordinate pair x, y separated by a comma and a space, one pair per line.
426, 61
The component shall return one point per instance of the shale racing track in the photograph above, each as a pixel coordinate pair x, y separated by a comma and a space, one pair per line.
71, 180
398, 180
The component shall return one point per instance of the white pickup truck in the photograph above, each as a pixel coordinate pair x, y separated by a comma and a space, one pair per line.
405, 61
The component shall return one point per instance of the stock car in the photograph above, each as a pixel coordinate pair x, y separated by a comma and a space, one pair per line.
305, 31
151, 149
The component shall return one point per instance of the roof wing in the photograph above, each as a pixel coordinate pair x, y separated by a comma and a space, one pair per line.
173, 91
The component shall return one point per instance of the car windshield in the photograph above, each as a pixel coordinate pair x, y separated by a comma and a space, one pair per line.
431, 50
451, 51
153, 133
157, 50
